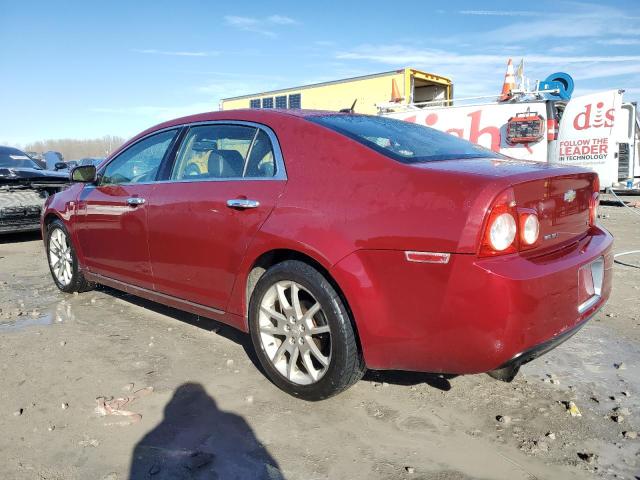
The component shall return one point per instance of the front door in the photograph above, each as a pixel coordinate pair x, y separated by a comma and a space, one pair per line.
225, 182
112, 215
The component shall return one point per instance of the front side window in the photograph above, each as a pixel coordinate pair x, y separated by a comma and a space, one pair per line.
140, 162
402, 141
224, 151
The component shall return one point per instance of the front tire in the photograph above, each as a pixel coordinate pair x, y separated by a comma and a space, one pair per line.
62, 259
302, 332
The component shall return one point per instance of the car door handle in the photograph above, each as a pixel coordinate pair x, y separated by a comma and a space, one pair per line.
135, 201
242, 203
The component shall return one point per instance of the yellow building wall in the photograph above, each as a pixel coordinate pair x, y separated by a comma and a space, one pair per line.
336, 96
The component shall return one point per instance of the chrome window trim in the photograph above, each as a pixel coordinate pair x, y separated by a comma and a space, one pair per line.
280, 174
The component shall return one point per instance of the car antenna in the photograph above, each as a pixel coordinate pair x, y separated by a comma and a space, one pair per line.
350, 110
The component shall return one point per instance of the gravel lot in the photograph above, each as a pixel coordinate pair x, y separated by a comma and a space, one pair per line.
195, 406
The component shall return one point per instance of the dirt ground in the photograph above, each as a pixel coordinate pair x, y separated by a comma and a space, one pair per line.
210, 413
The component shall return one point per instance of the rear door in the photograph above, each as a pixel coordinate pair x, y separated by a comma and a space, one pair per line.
112, 215
225, 181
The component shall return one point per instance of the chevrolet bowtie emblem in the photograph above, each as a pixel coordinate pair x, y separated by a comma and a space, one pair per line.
569, 195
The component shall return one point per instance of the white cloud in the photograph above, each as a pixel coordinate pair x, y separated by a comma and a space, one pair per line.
281, 20
610, 71
400, 54
583, 21
482, 73
502, 13
620, 41
152, 51
263, 26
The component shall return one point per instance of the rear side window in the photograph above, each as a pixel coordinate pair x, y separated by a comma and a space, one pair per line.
224, 151
402, 141
261, 163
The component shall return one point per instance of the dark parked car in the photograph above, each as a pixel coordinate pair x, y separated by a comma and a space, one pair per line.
66, 166
24, 185
91, 161
340, 242
52, 158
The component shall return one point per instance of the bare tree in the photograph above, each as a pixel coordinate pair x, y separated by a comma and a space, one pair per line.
75, 149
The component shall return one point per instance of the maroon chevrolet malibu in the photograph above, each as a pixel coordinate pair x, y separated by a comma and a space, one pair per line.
340, 242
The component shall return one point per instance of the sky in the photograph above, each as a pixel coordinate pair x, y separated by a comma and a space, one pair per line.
84, 69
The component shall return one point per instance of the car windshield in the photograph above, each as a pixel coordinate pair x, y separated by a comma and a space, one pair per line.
402, 141
14, 158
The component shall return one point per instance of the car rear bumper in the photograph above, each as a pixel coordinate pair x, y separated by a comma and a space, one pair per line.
470, 315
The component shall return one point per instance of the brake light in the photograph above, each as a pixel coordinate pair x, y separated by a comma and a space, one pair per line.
529, 229
500, 234
594, 201
509, 229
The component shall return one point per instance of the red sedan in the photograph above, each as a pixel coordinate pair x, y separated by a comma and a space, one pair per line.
340, 242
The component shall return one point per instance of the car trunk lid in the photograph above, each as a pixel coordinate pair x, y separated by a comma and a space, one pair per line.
562, 203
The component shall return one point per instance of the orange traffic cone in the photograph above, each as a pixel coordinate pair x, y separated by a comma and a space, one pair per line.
395, 92
509, 83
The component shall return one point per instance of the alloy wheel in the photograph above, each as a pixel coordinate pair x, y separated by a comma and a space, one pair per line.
60, 257
294, 332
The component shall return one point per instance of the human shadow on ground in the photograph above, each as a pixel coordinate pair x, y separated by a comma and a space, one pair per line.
197, 440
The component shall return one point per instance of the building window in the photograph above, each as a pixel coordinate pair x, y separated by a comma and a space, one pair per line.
254, 103
295, 100
267, 102
281, 101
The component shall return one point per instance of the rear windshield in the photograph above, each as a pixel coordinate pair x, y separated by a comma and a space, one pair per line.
402, 141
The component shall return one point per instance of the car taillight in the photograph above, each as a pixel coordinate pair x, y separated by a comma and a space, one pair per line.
509, 229
500, 234
594, 201
529, 229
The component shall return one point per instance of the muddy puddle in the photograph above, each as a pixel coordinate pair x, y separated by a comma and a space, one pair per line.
59, 313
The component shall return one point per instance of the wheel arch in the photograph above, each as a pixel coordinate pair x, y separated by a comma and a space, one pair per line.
49, 218
275, 256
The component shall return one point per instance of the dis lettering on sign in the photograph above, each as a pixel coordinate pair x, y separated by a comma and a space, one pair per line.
599, 119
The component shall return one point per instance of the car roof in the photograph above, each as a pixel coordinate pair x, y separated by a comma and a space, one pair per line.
265, 116
4, 149
244, 114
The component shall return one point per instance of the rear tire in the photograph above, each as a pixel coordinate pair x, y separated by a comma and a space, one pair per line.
62, 259
302, 333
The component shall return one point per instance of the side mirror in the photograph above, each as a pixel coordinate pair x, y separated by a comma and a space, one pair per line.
84, 174
60, 166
